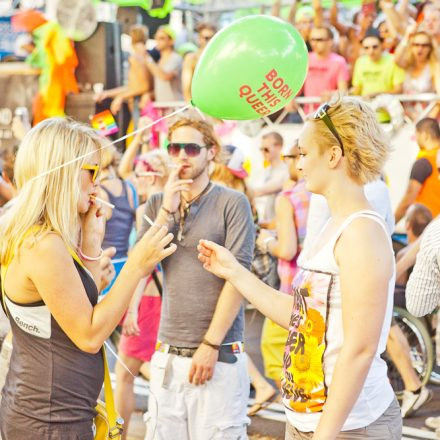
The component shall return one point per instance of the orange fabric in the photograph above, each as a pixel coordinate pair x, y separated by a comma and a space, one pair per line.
55, 55
430, 193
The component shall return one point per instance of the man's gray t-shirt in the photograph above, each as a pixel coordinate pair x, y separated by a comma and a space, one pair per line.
169, 90
190, 292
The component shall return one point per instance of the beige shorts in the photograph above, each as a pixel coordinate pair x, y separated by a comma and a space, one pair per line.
387, 426
182, 411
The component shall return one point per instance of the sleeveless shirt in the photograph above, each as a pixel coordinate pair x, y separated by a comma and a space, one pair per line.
316, 338
51, 383
120, 225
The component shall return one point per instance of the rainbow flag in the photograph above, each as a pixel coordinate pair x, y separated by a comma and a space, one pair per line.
105, 123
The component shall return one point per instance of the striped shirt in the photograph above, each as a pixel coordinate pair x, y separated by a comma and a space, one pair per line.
423, 288
299, 197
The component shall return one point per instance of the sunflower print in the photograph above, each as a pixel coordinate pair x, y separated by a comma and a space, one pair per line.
303, 381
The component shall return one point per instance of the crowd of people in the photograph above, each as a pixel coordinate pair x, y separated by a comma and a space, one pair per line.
392, 49
157, 248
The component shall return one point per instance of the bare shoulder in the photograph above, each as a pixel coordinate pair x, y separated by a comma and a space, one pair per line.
282, 203
364, 239
190, 60
45, 247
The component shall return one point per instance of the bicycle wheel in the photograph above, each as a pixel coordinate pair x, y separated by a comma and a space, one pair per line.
421, 352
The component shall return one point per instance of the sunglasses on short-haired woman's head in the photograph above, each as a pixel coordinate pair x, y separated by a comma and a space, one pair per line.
191, 149
322, 115
92, 169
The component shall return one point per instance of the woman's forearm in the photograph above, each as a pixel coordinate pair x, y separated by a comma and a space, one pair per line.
108, 313
275, 305
126, 165
348, 378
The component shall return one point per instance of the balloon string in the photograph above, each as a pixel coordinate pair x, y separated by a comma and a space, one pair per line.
45, 173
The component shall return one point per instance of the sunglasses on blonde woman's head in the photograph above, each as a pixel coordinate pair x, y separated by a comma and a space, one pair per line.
322, 115
191, 149
92, 169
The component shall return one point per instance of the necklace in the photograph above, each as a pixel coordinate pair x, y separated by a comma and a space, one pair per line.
184, 208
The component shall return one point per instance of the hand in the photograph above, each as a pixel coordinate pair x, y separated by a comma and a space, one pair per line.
171, 192
116, 104
203, 364
150, 250
130, 326
411, 30
107, 269
144, 135
18, 128
217, 259
92, 229
145, 99
262, 236
100, 96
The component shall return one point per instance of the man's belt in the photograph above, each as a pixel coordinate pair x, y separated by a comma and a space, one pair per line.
225, 352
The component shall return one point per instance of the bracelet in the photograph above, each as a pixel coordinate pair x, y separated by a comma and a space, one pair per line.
266, 242
87, 258
215, 347
167, 211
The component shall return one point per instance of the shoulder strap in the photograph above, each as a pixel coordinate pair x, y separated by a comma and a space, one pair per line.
74, 255
108, 393
373, 215
134, 193
3, 273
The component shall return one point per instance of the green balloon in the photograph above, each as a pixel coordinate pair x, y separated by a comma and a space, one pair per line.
250, 69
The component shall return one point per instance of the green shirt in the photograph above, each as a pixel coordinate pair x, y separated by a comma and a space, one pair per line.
377, 77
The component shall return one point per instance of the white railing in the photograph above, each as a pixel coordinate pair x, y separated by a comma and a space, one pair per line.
430, 98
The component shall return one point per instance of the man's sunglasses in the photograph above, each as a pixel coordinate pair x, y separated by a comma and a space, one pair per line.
374, 47
322, 115
319, 40
191, 149
92, 169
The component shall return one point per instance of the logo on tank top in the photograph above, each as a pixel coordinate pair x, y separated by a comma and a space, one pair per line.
28, 327
34, 320
303, 381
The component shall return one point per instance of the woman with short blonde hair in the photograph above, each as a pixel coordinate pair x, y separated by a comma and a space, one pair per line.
334, 381
50, 249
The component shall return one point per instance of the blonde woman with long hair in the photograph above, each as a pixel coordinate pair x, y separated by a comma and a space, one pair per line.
417, 56
50, 248
334, 384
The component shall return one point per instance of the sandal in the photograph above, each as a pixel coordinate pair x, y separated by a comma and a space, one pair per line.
258, 406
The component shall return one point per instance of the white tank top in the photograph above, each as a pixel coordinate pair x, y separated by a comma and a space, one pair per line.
316, 337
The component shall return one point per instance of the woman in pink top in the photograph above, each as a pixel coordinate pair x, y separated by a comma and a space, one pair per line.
335, 384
